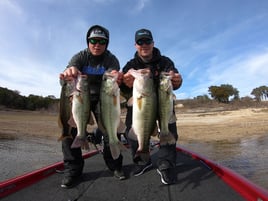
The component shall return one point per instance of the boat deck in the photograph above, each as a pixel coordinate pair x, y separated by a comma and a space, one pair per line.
195, 181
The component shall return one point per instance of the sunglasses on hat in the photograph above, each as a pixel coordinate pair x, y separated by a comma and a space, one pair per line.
94, 41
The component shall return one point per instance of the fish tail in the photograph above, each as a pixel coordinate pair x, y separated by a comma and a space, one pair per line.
167, 138
78, 142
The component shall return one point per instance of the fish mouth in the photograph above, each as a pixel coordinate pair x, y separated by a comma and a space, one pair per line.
145, 71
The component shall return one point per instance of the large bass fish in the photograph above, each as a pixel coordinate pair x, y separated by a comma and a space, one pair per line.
144, 110
81, 111
165, 105
65, 110
110, 112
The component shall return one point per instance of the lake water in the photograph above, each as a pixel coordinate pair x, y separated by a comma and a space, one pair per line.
248, 157
20, 156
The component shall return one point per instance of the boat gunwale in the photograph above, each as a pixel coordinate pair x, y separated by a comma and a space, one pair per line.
15, 184
239, 183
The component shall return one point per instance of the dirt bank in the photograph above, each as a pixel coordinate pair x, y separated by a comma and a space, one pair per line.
204, 125
222, 125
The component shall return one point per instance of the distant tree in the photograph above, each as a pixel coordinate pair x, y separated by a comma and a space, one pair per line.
223, 93
51, 97
202, 99
16, 92
11, 99
260, 93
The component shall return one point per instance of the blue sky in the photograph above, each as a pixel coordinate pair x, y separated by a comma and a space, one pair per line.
211, 42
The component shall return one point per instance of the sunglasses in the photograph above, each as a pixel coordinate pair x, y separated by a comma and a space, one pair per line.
147, 42
94, 41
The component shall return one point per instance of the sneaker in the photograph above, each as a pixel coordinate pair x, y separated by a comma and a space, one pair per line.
165, 179
140, 169
119, 174
69, 182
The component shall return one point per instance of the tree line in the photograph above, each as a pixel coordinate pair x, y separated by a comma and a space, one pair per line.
13, 99
224, 93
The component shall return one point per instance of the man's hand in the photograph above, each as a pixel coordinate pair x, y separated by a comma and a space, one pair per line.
176, 80
70, 73
119, 76
128, 79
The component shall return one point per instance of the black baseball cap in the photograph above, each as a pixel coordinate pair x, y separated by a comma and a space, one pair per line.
97, 31
143, 34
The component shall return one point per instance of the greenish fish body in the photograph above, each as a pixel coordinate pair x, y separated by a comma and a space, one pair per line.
81, 111
144, 110
165, 106
110, 111
65, 110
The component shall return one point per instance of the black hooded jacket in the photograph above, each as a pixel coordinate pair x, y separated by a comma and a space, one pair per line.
157, 64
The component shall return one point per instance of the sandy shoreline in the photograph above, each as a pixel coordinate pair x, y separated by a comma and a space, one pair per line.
223, 125
193, 125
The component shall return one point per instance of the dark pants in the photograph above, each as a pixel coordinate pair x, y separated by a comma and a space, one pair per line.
72, 157
112, 164
167, 154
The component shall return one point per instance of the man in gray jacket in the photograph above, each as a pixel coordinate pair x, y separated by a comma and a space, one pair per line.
93, 62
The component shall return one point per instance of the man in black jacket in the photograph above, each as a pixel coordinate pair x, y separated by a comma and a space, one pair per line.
92, 61
147, 56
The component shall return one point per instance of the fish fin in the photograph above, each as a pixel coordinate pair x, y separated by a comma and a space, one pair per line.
121, 127
155, 132
71, 122
130, 102
91, 119
78, 142
167, 139
174, 97
132, 135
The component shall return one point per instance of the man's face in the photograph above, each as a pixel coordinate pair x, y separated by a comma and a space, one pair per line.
145, 48
97, 46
